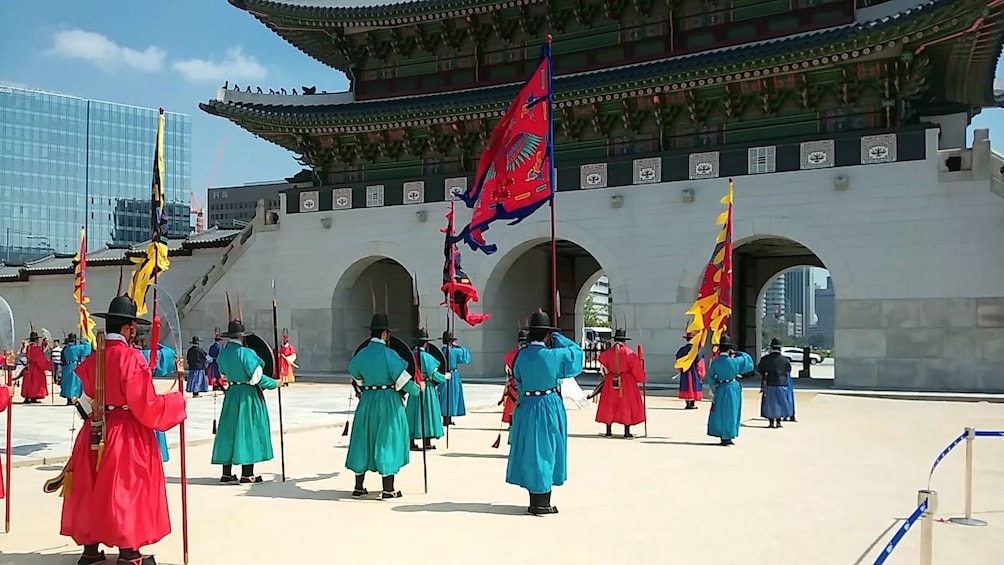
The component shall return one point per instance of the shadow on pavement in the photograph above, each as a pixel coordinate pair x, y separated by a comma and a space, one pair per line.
476, 455
291, 489
471, 507
698, 443
27, 449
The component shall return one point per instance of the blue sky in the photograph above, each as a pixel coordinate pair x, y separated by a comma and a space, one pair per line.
176, 54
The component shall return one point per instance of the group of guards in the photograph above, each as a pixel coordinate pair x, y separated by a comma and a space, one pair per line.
395, 410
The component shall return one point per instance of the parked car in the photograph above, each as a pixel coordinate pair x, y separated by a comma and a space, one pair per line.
796, 355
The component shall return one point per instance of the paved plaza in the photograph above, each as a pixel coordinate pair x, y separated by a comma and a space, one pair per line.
819, 492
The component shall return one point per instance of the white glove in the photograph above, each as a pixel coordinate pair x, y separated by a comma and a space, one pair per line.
448, 375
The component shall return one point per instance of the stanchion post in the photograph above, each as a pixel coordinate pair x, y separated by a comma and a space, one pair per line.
927, 525
968, 519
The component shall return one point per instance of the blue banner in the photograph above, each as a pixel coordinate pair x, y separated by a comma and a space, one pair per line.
887, 551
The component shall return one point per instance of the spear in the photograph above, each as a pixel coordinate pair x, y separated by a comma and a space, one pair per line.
278, 378
10, 387
416, 312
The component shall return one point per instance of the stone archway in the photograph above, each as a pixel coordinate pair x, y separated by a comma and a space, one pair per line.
520, 283
372, 284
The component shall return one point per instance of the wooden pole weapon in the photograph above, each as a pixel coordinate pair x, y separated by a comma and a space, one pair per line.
278, 378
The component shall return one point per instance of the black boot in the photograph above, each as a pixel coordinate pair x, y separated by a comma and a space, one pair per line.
228, 477
610, 431
359, 489
388, 489
627, 432
427, 444
248, 476
414, 446
777, 423
540, 504
92, 554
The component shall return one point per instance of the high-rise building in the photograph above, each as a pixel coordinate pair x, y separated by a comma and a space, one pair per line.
799, 296
774, 300
237, 204
826, 312
600, 291
67, 162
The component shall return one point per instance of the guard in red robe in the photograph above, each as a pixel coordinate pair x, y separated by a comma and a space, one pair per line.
4, 405
34, 387
122, 502
620, 397
511, 393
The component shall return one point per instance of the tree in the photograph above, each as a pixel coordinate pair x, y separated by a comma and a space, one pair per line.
595, 315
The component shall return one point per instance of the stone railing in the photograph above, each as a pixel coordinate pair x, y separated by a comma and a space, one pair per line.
964, 164
997, 173
197, 291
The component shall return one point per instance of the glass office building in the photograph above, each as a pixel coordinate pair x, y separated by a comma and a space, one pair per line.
66, 162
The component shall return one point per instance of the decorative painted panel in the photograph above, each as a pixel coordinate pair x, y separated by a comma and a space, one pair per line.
309, 201
817, 154
762, 160
454, 185
374, 196
704, 165
593, 176
414, 192
341, 199
648, 171
878, 149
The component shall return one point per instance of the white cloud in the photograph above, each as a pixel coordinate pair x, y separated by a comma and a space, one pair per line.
235, 66
104, 53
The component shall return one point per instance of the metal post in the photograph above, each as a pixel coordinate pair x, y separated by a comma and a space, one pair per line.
927, 525
968, 519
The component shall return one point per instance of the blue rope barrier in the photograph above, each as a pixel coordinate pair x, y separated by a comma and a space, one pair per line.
944, 453
887, 551
989, 433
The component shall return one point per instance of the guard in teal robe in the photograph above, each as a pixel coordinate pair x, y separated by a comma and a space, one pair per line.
70, 386
539, 434
451, 393
723, 375
166, 359
433, 416
380, 435
244, 434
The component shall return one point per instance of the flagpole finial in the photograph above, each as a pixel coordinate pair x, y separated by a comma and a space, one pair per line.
549, 39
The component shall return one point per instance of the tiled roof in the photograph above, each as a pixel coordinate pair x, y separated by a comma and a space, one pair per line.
337, 9
566, 87
61, 263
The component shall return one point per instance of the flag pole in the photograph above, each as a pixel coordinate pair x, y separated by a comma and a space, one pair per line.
9, 450
451, 272
278, 375
550, 152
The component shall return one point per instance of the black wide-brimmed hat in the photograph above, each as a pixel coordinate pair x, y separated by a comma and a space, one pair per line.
235, 329
380, 322
725, 342
71, 337
33, 336
122, 308
195, 340
522, 336
423, 336
540, 321
448, 337
621, 335
775, 343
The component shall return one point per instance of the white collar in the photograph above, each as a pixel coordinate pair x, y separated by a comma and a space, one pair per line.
235, 340
540, 343
117, 337
378, 340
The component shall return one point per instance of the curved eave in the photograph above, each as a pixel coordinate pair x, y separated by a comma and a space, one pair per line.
371, 13
777, 56
988, 33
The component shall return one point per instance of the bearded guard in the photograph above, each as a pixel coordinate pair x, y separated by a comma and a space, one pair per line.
451, 394
73, 353
620, 396
380, 435
432, 365
244, 434
33, 385
117, 496
775, 370
539, 436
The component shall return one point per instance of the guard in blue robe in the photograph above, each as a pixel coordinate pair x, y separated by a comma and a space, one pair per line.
774, 401
380, 435
724, 373
166, 359
73, 353
433, 422
539, 434
451, 392
197, 381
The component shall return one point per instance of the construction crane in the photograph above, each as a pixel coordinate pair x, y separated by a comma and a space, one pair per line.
196, 209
